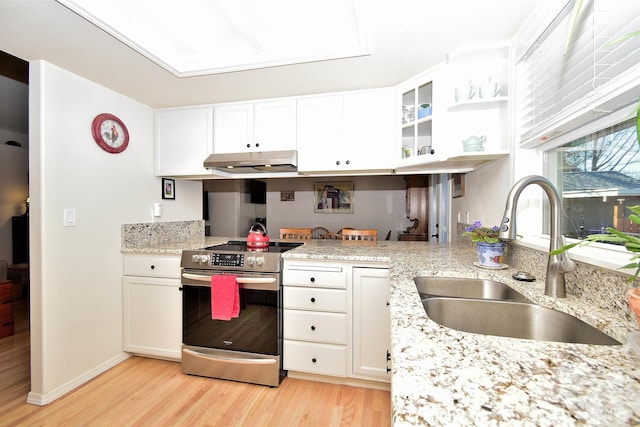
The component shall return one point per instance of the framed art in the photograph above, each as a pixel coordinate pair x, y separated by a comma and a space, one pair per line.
458, 185
333, 197
168, 188
287, 196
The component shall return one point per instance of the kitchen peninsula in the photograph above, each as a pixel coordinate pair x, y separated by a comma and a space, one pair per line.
441, 376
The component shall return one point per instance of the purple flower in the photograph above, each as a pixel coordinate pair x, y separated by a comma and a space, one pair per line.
495, 228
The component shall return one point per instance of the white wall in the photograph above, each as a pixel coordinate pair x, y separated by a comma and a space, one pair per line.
379, 202
14, 189
485, 194
76, 287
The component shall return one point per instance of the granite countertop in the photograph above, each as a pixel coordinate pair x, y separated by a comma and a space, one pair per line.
441, 376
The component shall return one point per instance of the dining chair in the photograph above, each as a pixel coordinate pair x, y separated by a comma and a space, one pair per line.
319, 232
359, 235
295, 233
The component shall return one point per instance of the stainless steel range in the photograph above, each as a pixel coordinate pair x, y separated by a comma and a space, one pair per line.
246, 348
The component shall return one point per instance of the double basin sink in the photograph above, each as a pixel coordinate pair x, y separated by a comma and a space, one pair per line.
492, 308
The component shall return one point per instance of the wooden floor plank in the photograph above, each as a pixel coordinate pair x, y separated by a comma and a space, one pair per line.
148, 392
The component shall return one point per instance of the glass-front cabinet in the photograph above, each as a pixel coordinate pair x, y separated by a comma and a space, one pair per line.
417, 123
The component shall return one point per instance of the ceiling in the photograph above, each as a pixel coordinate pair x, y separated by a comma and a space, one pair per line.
405, 37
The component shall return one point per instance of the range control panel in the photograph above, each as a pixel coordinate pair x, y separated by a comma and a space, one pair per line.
227, 260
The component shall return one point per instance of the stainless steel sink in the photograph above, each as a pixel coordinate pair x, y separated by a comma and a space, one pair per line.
458, 287
512, 319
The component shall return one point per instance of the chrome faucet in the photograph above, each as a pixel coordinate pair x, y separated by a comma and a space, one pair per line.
557, 265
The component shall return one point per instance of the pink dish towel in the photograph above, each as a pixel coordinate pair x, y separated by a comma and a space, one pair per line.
225, 297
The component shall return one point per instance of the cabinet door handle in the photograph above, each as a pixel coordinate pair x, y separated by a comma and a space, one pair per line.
338, 162
314, 360
313, 328
348, 162
153, 267
248, 145
313, 299
388, 356
257, 144
313, 279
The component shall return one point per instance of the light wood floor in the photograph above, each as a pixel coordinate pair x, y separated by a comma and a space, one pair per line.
149, 392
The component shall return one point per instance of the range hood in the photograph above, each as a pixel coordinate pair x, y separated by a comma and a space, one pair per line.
265, 161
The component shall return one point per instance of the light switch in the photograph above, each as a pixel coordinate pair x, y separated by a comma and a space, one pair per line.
69, 217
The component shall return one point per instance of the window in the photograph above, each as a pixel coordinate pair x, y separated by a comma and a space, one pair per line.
598, 176
562, 88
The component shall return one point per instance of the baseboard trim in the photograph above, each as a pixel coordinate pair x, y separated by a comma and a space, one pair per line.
339, 380
42, 399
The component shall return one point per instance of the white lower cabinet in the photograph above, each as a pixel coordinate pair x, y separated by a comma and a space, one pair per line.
336, 319
152, 305
371, 325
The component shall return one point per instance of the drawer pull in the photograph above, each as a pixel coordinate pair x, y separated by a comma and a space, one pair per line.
153, 267
313, 299
314, 360
313, 279
313, 328
8, 323
9, 301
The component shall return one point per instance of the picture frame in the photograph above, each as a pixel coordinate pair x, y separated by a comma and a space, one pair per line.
333, 197
458, 185
168, 189
287, 196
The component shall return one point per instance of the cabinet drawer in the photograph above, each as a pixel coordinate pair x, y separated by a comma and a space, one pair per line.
152, 265
316, 327
321, 359
321, 277
315, 299
6, 292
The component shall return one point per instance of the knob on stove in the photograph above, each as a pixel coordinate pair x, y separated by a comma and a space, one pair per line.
204, 258
255, 260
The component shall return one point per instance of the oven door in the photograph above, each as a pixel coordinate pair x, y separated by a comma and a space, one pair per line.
258, 328
247, 348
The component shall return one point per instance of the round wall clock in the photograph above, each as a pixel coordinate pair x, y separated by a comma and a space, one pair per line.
110, 133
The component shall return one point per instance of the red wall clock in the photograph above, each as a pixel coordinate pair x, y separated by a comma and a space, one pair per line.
110, 133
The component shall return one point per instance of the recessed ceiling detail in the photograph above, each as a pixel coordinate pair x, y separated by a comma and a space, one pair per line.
199, 37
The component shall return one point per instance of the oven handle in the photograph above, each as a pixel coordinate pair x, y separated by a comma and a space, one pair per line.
241, 280
239, 361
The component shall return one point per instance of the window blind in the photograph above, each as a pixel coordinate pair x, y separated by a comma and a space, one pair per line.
559, 91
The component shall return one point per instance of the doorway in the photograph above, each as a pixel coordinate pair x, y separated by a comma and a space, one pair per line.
14, 214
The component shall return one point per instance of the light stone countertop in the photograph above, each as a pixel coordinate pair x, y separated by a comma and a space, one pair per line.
441, 376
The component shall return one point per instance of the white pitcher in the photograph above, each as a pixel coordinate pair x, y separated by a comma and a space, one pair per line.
489, 89
465, 92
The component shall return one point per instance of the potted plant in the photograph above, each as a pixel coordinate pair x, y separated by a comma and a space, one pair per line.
490, 247
613, 235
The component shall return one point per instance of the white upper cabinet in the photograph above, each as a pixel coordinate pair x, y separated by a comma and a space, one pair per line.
418, 110
183, 140
348, 132
260, 126
465, 99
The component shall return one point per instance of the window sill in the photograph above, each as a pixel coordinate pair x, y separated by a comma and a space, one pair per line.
596, 254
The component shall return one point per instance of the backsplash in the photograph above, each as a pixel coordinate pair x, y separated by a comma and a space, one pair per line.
152, 233
601, 288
